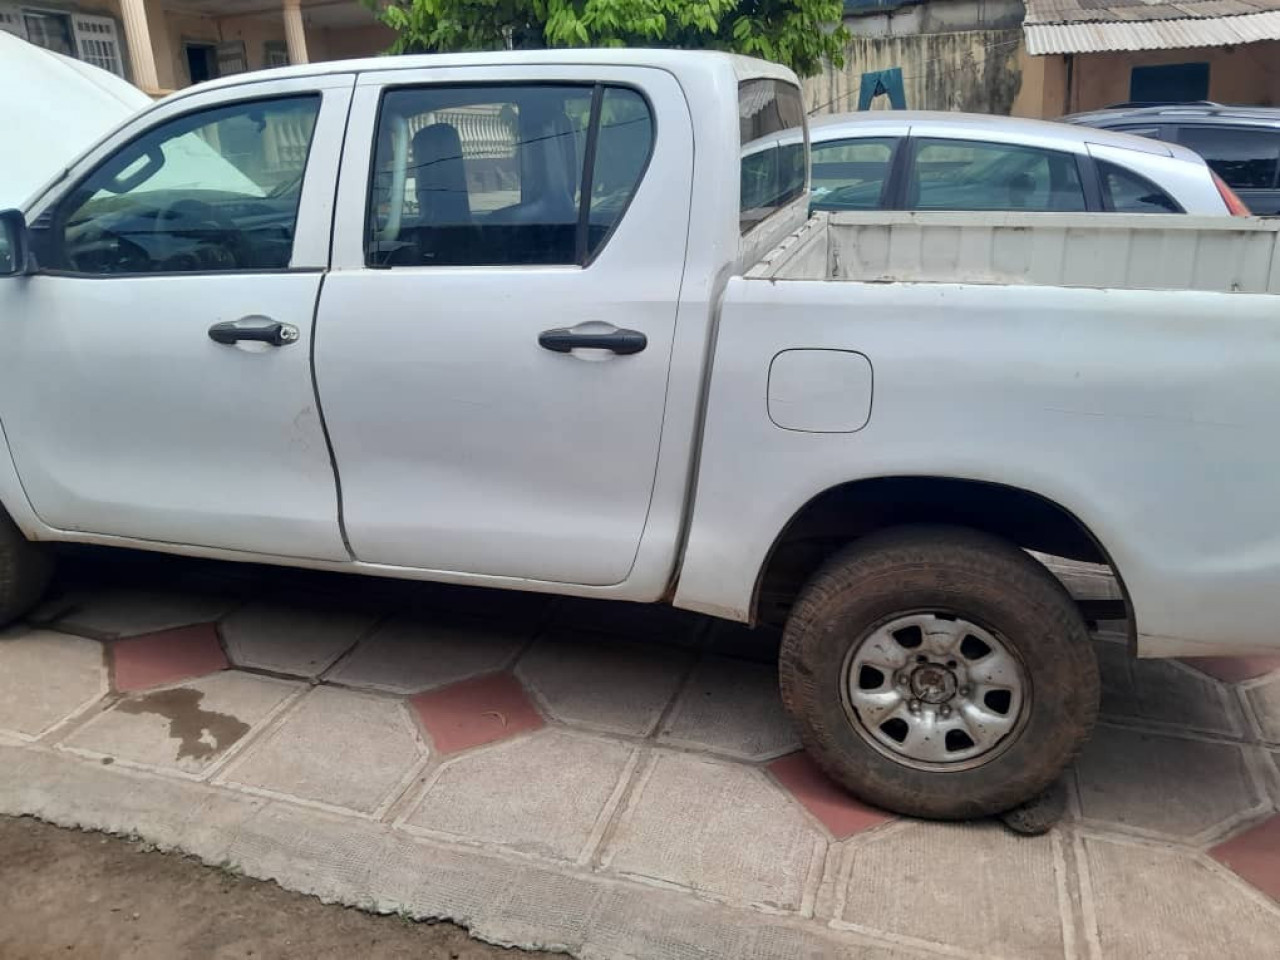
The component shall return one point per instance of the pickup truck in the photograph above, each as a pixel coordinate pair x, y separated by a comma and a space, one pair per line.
558, 321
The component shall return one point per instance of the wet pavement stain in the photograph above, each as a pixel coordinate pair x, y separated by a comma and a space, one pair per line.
200, 733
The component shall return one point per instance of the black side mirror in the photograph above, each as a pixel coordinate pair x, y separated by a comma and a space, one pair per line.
15, 245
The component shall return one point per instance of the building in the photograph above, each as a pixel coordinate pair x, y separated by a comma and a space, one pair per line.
1045, 58
161, 45
1086, 54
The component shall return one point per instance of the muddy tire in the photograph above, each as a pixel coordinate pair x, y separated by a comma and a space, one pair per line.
25, 569
939, 672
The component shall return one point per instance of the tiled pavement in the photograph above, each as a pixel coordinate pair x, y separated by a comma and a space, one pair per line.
614, 781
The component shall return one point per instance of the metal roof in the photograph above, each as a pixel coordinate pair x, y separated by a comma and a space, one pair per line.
1091, 26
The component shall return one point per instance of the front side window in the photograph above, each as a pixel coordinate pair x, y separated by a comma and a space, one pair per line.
1245, 159
850, 174
503, 175
968, 175
216, 190
1124, 191
772, 133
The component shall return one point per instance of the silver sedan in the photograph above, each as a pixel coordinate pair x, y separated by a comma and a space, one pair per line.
917, 160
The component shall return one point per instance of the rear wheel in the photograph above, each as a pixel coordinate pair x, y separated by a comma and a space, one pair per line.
939, 672
25, 569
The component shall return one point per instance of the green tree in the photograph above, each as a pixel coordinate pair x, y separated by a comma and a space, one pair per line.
797, 33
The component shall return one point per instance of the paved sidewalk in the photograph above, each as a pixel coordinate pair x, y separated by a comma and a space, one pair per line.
611, 781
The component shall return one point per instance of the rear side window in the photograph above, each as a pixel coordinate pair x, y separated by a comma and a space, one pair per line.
1123, 191
850, 174
968, 175
772, 133
503, 175
1245, 159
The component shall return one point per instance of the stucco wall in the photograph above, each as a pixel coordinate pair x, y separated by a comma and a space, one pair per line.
973, 70
1248, 74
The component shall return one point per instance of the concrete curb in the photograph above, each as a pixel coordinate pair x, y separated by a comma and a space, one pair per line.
374, 866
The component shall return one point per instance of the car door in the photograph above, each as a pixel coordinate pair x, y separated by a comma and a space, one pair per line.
1247, 158
155, 379
492, 350
851, 173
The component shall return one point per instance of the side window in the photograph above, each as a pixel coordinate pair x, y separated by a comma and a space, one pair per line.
772, 133
850, 174
216, 190
1123, 191
1245, 159
968, 175
497, 175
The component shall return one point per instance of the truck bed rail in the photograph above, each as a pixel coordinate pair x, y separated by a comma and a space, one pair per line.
1113, 251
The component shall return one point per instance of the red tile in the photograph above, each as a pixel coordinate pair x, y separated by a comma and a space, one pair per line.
1255, 855
167, 657
1234, 669
475, 712
837, 810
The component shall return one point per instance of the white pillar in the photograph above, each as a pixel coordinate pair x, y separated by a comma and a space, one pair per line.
138, 36
295, 36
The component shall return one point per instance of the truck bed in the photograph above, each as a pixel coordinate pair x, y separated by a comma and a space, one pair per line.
1121, 251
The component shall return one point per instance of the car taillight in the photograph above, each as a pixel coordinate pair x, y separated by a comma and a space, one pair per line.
1235, 205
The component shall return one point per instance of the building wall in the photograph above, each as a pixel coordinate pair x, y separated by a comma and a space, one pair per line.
972, 70
1247, 74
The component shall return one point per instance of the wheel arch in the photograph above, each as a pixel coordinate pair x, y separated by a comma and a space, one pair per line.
851, 510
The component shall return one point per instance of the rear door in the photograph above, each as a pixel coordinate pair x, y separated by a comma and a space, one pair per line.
494, 341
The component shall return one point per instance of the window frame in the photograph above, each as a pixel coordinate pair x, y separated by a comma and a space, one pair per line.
902, 172
1108, 201
50, 211
896, 149
583, 256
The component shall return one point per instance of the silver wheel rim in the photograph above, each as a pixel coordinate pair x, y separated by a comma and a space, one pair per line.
936, 691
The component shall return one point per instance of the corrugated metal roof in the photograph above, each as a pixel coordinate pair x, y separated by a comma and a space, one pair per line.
1077, 37
1105, 11
1089, 26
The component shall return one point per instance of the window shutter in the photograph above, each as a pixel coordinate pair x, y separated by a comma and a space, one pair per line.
11, 22
231, 58
98, 42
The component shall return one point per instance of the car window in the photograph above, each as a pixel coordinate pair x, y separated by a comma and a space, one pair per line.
1246, 159
1124, 191
970, 175
215, 190
850, 174
771, 133
495, 175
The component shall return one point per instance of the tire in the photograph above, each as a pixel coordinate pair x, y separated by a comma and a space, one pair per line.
25, 570
932, 598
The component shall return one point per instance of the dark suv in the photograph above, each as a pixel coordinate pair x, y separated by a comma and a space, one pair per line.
1242, 144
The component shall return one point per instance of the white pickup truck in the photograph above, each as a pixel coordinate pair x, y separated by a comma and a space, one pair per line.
555, 321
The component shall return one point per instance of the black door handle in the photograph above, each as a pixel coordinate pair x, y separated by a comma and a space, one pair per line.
261, 329
621, 342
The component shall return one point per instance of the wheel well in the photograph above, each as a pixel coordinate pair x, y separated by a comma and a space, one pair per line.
844, 513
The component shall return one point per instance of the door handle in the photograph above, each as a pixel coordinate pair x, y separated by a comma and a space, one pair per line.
261, 329
564, 340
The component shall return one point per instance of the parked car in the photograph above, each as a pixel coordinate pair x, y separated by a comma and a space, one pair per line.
522, 320
1242, 144
918, 160
54, 109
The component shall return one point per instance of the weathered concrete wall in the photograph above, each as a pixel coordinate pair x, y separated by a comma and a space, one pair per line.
971, 70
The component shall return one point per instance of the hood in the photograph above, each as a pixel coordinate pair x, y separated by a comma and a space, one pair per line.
53, 110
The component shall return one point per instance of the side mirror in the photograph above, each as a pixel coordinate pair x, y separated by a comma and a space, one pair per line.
15, 244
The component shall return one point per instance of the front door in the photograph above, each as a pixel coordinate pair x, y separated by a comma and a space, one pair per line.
493, 345
155, 379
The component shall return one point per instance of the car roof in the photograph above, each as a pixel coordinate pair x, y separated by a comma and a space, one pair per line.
1211, 113
680, 62
1041, 133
